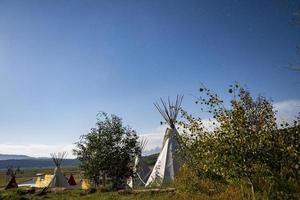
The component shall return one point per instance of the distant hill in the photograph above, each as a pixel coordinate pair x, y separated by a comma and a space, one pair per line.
151, 151
35, 163
27, 162
15, 157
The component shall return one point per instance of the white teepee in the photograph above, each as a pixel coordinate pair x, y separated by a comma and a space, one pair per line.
58, 179
141, 169
167, 166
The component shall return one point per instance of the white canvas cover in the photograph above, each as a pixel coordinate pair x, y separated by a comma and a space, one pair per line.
58, 179
166, 166
28, 183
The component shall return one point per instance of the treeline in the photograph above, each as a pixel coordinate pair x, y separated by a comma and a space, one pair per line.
151, 159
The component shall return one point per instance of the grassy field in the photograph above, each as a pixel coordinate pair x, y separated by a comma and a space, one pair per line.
16, 194
78, 194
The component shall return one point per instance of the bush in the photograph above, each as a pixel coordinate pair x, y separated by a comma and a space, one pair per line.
22, 191
125, 192
23, 198
245, 146
189, 181
91, 190
190, 185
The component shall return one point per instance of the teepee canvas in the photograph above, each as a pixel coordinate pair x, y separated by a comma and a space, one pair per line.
58, 179
167, 166
12, 172
12, 183
72, 181
141, 169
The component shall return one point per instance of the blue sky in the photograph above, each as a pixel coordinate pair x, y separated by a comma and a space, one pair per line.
63, 61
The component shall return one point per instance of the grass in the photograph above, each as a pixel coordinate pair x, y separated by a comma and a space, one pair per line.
77, 194
81, 195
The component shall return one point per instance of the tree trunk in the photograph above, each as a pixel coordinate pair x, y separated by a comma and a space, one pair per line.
104, 179
245, 191
252, 189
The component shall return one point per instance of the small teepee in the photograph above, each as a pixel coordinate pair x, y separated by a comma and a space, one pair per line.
72, 181
141, 170
58, 179
12, 183
12, 172
167, 166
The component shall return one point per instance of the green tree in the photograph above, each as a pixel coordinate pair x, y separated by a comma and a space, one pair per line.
108, 151
246, 145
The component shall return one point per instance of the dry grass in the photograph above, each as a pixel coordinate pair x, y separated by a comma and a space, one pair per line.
79, 194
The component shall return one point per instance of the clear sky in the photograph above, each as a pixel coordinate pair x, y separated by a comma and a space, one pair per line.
63, 61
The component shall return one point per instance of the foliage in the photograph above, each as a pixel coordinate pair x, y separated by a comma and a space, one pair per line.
108, 151
189, 185
187, 182
245, 145
151, 159
92, 190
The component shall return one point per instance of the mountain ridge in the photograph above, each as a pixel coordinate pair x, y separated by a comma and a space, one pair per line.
14, 157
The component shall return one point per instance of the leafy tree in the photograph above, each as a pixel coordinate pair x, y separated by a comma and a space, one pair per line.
246, 145
108, 151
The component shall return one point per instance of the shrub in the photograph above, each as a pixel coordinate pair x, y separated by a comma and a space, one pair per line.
107, 152
22, 191
189, 181
245, 146
91, 190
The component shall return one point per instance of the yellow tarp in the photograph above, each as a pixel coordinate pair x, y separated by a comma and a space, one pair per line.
42, 182
85, 184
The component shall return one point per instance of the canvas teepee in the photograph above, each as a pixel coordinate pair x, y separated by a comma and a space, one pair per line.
12, 183
12, 172
167, 166
58, 179
72, 181
141, 169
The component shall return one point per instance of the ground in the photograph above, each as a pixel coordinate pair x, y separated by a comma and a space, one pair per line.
77, 194
81, 195
15, 194
18, 194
